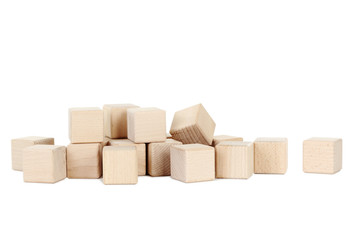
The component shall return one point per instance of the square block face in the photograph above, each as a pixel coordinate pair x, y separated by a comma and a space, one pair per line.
18, 145
271, 155
120, 165
159, 157
192, 163
86, 125
322, 155
84, 160
115, 120
44, 163
222, 138
146, 125
234, 159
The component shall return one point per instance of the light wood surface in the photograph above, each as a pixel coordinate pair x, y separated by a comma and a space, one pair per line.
221, 138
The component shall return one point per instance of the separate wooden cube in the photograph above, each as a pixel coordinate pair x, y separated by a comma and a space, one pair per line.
159, 157
115, 120
146, 125
44, 163
140, 152
86, 125
193, 125
234, 159
221, 138
322, 155
120, 165
192, 162
271, 155
17, 146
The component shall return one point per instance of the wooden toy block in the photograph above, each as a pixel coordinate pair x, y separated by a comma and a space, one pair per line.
322, 155
84, 160
86, 125
193, 125
159, 157
146, 125
140, 152
192, 163
44, 163
120, 165
221, 138
234, 159
17, 146
115, 120
271, 155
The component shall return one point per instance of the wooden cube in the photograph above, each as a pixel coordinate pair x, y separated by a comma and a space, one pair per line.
17, 146
192, 163
115, 120
146, 125
120, 165
193, 125
140, 152
234, 159
322, 155
44, 163
271, 155
159, 157
84, 160
221, 138
86, 125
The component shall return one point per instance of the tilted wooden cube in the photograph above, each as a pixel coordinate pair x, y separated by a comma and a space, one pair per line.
193, 125
140, 152
159, 157
222, 138
271, 155
146, 125
322, 155
86, 125
120, 165
115, 120
18, 145
234, 159
44, 163
192, 163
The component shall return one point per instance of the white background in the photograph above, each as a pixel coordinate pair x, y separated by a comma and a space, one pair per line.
260, 68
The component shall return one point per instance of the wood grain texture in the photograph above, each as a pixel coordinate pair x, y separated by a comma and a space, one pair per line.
221, 138
271, 155
146, 125
18, 144
44, 163
120, 165
234, 159
159, 158
192, 163
322, 155
86, 125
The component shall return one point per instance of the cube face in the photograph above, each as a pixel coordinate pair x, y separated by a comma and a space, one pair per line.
146, 125
86, 125
271, 155
159, 157
19, 144
44, 163
115, 120
322, 155
120, 165
234, 159
222, 138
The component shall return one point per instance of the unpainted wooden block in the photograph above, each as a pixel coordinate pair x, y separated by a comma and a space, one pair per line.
44, 163
193, 125
18, 144
146, 125
115, 120
159, 157
322, 155
120, 165
221, 138
140, 152
192, 162
86, 125
271, 155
